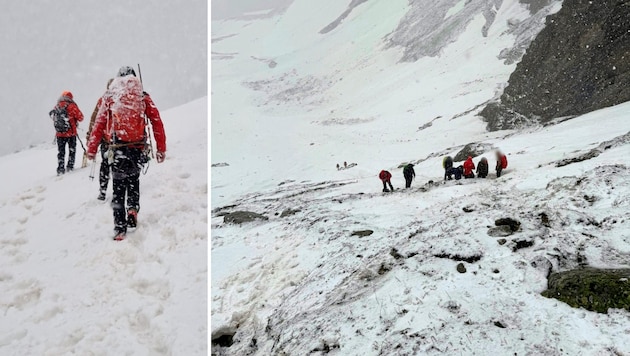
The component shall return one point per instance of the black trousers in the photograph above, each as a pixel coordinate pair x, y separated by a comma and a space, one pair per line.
499, 170
447, 172
385, 182
408, 180
61, 154
126, 184
103, 177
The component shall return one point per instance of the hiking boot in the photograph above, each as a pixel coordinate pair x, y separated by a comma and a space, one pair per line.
101, 195
119, 233
132, 218
60, 171
69, 169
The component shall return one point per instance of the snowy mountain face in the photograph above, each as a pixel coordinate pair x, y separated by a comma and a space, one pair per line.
52, 46
311, 259
68, 288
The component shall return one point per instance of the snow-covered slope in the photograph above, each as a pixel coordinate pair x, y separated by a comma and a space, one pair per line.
289, 103
68, 288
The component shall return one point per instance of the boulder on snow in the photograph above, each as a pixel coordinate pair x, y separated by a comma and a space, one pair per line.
240, 217
522, 243
473, 149
289, 212
500, 231
461, 268
501, 241
591, 288
512, 223
362, 233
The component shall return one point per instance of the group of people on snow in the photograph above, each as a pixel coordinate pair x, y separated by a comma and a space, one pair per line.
120, 126
467, 170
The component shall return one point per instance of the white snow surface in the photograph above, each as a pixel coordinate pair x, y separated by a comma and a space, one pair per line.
290, 104
69, 289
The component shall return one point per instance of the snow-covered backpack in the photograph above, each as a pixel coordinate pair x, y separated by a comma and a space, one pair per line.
60, 118
126, 106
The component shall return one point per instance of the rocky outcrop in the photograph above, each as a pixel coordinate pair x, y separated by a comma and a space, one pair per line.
580, 62
240, 217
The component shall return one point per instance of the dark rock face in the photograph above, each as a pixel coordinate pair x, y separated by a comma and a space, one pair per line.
362, 233
580, 62
591, 288
289, 212
240, 217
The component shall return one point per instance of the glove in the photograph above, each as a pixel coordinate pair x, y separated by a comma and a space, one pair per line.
91, 156
160, 156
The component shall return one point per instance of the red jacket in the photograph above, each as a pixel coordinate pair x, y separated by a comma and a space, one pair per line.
385, 176
503, 162
469, 166
102, 121
74, 114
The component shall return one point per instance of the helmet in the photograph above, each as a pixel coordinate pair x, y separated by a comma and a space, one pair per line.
125, 71
66, 94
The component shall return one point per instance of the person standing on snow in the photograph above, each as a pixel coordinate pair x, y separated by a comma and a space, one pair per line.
469, 166
66, 111
501, 163
482, 168
409, 174
121, 120
386, 177
103, 176
447, 164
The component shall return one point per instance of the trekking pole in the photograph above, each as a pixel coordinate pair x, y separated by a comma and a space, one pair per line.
79, 138
146, 120
93, 169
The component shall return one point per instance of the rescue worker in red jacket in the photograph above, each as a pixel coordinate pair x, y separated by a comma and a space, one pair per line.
120, 119
469, 167
68, 137
501, 163
386, 177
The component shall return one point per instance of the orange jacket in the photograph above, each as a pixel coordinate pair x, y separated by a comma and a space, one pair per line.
469, 166
102, 119
74, 114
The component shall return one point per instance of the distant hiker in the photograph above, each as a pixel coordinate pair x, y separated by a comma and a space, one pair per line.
458, 172
409, 174
66, 117
345, 164
447, 164
482, 168
501, 163
338, 166
386, 177
103, 177
121, 120
469, 167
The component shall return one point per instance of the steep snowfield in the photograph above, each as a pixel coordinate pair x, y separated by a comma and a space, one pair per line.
68, 288
290, 103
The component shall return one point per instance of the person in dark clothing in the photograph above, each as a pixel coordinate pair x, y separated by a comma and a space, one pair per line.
447, 164
458, 172
386, 177
482, 168
69, 137
409, 174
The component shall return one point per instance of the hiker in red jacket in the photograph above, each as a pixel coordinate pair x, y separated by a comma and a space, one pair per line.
501, 163
469, 166
120, 119
66, 111
386, 177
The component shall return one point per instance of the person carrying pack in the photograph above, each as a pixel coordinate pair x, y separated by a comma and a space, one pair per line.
457, 172
66, 117
103, 177
447, 164
121, 120
386, 178
482, 168
409, 174
469, 167
501, 163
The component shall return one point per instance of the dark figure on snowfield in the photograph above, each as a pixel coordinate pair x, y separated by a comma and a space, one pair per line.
469, 167
345, 164
447, 164
501, 163
409, 174
482, 168
338, 166
386, 177
66, 117
120, 119
457, 172
103, 177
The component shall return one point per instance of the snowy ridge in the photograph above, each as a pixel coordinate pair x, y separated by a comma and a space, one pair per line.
69, 289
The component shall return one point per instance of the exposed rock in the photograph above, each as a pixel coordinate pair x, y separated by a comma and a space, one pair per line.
500, 231
499, 324
544, 219
240, 217
512, 223
222, 164
223, 337
456, 257
501, 241
331, 26
384, 268
522, 243
468, 209
473, 149
289, 212
604, 146
461, 268
577, 64
362, 233
591, 288
394, 253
